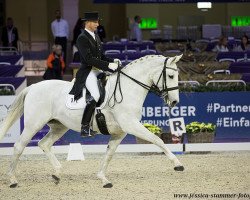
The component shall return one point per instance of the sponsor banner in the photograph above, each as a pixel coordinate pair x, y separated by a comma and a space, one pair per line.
230, 111
14, 132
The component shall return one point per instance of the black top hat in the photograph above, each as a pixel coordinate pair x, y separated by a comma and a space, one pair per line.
91, 16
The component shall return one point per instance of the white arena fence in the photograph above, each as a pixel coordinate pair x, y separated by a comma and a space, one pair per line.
140, 148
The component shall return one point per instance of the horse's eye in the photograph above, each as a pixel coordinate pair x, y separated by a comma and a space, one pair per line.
171, 76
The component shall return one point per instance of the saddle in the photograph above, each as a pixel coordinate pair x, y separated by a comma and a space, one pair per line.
81, 103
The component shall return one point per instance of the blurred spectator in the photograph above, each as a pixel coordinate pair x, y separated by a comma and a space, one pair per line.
135, 31
76, 32
60, 30
190, 48
244, 45
55, 64
10, 34
116, 38
101, 32
222, 46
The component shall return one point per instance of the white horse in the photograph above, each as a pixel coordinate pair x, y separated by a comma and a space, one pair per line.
44, 103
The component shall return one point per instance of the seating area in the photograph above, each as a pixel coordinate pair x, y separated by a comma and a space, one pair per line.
240, 67
11, 70
12, 73
216, 66
233, 56
204, 72
199, 64
128, 45
194, 33
11, 59
128, 51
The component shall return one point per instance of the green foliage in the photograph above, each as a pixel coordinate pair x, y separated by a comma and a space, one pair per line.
197, 127
153, 128
4, 92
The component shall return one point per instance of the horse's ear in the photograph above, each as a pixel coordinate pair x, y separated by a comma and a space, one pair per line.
170, 60
175, 59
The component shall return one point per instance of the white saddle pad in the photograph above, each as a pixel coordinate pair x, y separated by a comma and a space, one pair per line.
81, 103
74, 105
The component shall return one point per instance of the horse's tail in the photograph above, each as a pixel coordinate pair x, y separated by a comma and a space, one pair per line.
15, 112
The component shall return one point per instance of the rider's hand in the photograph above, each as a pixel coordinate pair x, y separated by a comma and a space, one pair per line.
118, 61
113, 66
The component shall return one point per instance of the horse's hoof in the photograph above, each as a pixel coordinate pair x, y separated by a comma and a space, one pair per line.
108, 185
56, 179
13, 185
179, 168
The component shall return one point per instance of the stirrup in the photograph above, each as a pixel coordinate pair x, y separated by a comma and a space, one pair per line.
86, 131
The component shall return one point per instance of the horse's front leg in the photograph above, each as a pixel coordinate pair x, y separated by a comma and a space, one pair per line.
114, 141
134, 127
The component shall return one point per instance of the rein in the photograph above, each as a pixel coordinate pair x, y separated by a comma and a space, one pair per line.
154, 88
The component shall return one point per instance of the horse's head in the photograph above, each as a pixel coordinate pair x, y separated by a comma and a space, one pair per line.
165, 78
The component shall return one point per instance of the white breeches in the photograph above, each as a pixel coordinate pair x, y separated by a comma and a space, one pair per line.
91, 84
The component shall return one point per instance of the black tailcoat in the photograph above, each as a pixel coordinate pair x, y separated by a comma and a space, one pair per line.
91, 55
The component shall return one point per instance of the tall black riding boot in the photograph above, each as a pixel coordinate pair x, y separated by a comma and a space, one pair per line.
87, 114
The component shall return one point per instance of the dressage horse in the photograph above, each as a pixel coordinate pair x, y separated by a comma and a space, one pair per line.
44, 103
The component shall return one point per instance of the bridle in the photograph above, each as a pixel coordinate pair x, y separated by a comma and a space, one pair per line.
164, 92
153, 88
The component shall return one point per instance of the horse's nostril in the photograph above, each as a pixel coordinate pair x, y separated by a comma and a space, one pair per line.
174, 103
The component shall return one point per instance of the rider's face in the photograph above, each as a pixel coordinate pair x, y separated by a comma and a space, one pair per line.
92, 25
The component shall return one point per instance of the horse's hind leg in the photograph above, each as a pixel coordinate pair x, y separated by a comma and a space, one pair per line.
19, 146
114, 141
57, 130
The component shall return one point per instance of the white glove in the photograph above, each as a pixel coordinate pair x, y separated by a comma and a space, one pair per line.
113, 66
118, 61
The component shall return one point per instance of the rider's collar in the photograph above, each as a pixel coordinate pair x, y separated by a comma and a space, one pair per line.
91, 33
